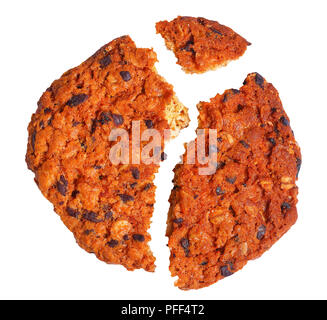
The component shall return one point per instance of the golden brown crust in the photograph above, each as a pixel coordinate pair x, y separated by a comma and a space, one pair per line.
108, 207
218, 222
200, 44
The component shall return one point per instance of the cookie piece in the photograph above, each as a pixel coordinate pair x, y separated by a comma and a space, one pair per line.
108, 207
247, 200
200, 44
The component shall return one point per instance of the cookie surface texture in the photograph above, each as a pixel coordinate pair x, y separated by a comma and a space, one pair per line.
219, 221
200, 44
107, 206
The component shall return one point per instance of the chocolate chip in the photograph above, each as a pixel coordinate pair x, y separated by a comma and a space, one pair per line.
231, 179
285, 206
298, 166
201, 21
204, 263
163, 156
97, 167
284, 121
77, 99
105, 117
135, 173
126, 237
178, 220
105, 61
133, 185
91, 216
147, 186
75, 193
108, 215
33, 138
76, 123
118, 119
188, 45
259, 80
62, 185
261, 232
272, 141
88, 231
126, 76
228, 94
72, 212
219, 191
273, 110
216, 31
112, 243
148, 123
184, 242
225, 272
244, 144
94, 125
47, 110
220, 164
240, 107
138, 237
125, 197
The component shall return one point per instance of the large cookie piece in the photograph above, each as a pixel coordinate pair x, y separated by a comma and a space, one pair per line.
107, 206
220, 220
200, 44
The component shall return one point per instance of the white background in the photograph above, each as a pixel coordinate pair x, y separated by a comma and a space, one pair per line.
41, 39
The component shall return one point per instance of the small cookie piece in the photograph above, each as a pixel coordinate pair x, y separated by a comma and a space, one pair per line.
219, 221
200, 44
108, 207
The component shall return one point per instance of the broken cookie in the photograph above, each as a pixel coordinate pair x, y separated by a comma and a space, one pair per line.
107, 206
234, 194
200, 44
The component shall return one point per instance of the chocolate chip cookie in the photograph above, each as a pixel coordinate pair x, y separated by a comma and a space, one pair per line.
219, 221
107, 206
200, 44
